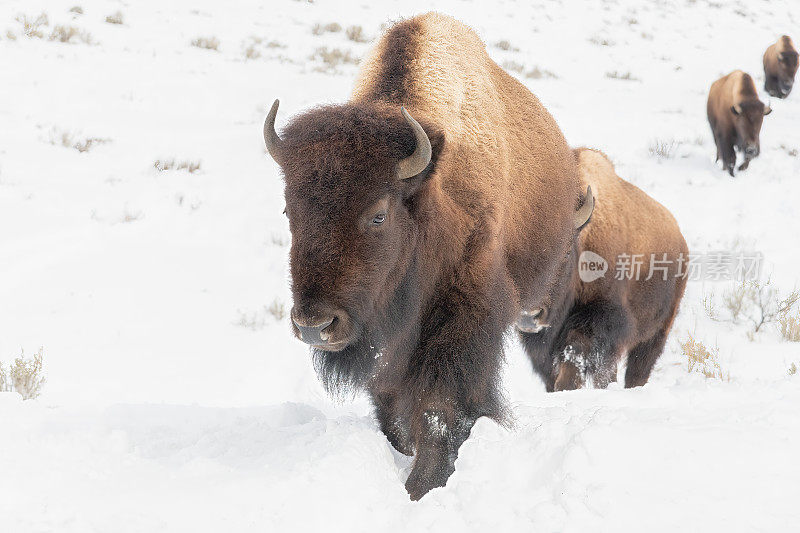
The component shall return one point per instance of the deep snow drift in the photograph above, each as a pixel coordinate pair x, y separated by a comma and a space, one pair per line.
176, 398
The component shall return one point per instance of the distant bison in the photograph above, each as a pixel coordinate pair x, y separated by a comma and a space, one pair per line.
602, 314
780, 67
735, 114
417, 241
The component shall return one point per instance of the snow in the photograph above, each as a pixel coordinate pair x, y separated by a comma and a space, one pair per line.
162, 412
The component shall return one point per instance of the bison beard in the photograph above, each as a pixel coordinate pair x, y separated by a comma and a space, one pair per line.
415, 245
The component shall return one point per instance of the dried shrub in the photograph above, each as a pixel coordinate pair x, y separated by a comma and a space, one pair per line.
790, 326
33, 27
537, 73
163, 165
505, 45
701, 359
257, 320
70, 34
251, 52
332, 58
71, 140
758, 303
356, 34
332, 27
207, 43
277, 310
663, 149
78, 10
24, 376
115, 18
627, 76
513, 66
793, 369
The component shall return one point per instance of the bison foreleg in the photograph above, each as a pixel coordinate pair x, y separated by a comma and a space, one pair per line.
393, 424
439, 432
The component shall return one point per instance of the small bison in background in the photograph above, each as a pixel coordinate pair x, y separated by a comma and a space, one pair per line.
600, 315
735, 114
425, 213
780, 67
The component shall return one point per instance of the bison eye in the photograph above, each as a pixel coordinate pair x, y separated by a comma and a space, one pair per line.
379, 218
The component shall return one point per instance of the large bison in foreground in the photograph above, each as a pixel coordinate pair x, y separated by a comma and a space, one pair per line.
425, 214
604, 312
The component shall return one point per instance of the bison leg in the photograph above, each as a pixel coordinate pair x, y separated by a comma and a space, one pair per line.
393, 425
440, 432
728, 155
592, 341
642, 358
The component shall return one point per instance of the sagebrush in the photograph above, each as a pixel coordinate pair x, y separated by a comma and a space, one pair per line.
702, 359
24, 376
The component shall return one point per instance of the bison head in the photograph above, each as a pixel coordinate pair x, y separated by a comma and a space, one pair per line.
787, 68
747, 119
355, 176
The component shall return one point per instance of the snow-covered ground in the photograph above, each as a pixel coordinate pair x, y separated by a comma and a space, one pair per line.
176, 400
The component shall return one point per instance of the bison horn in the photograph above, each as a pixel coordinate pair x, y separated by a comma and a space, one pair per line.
271, 138
583, 214
416, 162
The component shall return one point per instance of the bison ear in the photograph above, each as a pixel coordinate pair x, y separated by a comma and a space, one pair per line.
736, 109
414, 183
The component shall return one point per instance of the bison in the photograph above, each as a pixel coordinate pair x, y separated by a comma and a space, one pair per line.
780, 67
425, 213
601, 314
735, 114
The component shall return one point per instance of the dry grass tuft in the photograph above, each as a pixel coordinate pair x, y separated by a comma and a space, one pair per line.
505, 45
70, 34
332, 27
536, 73
356, 34
663, 149
790, 326
78, 10
699, 358
793, 369
258, 319
207, 43
115, 18
162, 165
627, 76
24, 376
33, 27
71, 140
332, 58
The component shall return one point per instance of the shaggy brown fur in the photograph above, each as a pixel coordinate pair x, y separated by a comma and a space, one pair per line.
780, 67
592, 324
423, 276
735, 114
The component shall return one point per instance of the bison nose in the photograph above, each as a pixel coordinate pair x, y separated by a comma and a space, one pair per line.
311, 332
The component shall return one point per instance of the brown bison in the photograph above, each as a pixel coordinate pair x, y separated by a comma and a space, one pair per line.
780, 66
603, 313
735, 114
417, 241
